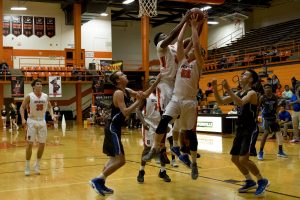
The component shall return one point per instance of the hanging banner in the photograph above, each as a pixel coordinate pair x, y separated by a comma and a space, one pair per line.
50, 26
16, 25
17, 86
6, 25
98, 85
28, 25
55, 86
39, 26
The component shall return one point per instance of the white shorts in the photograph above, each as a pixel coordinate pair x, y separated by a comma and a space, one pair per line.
36, 128
3, 117
148, 136
166, 90
186, 109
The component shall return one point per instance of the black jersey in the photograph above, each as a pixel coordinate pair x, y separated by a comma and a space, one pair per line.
269, 107
13, 113
117, 117
246, 113
3, 113
56, 110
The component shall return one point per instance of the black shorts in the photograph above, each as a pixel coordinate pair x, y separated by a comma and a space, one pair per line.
244, 141
112, 145
271, 126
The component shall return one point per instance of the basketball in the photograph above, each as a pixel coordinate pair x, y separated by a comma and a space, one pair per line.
199, 13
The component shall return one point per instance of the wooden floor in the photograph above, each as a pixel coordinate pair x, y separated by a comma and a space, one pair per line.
67, 167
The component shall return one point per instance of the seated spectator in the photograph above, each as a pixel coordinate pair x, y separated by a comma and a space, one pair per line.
287, 93
285, 121
4, 66
279, 91
205, 110
209, 89
222, 63
231, 60
216, 109
259, 58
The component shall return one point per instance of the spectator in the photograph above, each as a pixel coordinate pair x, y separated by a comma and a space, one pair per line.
295, 102
287, 93
209, 89
216, 109
285, 120
275, 82
223, 62
294, 83
279, 91
4, 66
199, 95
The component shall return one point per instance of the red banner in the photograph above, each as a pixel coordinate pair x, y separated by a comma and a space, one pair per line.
6, 25
39, 26
50, 26
28, 25
16, 25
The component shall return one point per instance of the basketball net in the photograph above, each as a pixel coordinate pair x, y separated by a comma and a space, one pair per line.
148, 8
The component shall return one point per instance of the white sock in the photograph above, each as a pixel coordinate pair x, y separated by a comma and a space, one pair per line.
142, 167
175, 143
248, 177
37, 162
27, 163
102, 176
162, 168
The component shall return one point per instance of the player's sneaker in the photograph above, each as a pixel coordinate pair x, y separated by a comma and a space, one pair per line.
260, 155
262, 185
175, 151
98, 185
249, 184
294, 140
195, 172
164, 176
173, 163
140, 177
27, 171
281, 154
151, 154
184, 158
37, 169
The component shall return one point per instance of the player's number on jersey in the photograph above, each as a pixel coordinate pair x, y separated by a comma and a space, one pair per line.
185, 73
39, 107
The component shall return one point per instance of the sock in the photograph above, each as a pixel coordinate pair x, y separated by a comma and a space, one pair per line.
175, 143
27, 163
102, 176
162, 168
142, 167
37, 162
261, 149
280, 147
248, 176
258, 176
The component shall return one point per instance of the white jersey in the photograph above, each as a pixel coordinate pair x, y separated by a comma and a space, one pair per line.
168, 61
187, 80
38, 106
151, 114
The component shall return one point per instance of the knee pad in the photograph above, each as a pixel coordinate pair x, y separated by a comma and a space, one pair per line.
162, 127
193, 140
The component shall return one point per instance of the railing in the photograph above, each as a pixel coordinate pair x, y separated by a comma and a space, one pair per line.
228, 38
34, 61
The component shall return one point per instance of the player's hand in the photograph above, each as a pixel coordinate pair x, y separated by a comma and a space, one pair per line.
193, 20
54, 119
146, 126
214, 83
225, 85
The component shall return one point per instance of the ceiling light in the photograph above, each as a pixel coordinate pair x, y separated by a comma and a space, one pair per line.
205, 8
18, 8
128, 1
103, 14
212, 22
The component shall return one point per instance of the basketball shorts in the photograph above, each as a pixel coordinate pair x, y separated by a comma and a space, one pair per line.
166, 90
271, 126
36, 129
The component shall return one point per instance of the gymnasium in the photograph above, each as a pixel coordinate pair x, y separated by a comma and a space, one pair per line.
74, 46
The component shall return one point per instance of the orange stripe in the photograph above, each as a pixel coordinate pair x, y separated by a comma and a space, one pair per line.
98, 54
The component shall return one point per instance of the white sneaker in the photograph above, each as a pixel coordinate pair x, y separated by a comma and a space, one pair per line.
17, 128
173, 163
37, 169
27, 171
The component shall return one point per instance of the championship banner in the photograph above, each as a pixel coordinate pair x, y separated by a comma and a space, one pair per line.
39, 26
98, 85
55, 86
28, 25
16, 25
17, 86
50, 26
6, 25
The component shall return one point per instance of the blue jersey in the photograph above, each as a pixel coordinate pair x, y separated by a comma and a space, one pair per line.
269, 107
296, 106
285, 115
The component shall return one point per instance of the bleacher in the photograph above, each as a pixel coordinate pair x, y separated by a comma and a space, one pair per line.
269, 35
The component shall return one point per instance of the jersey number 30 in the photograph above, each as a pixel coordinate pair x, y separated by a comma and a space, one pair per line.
39, 107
